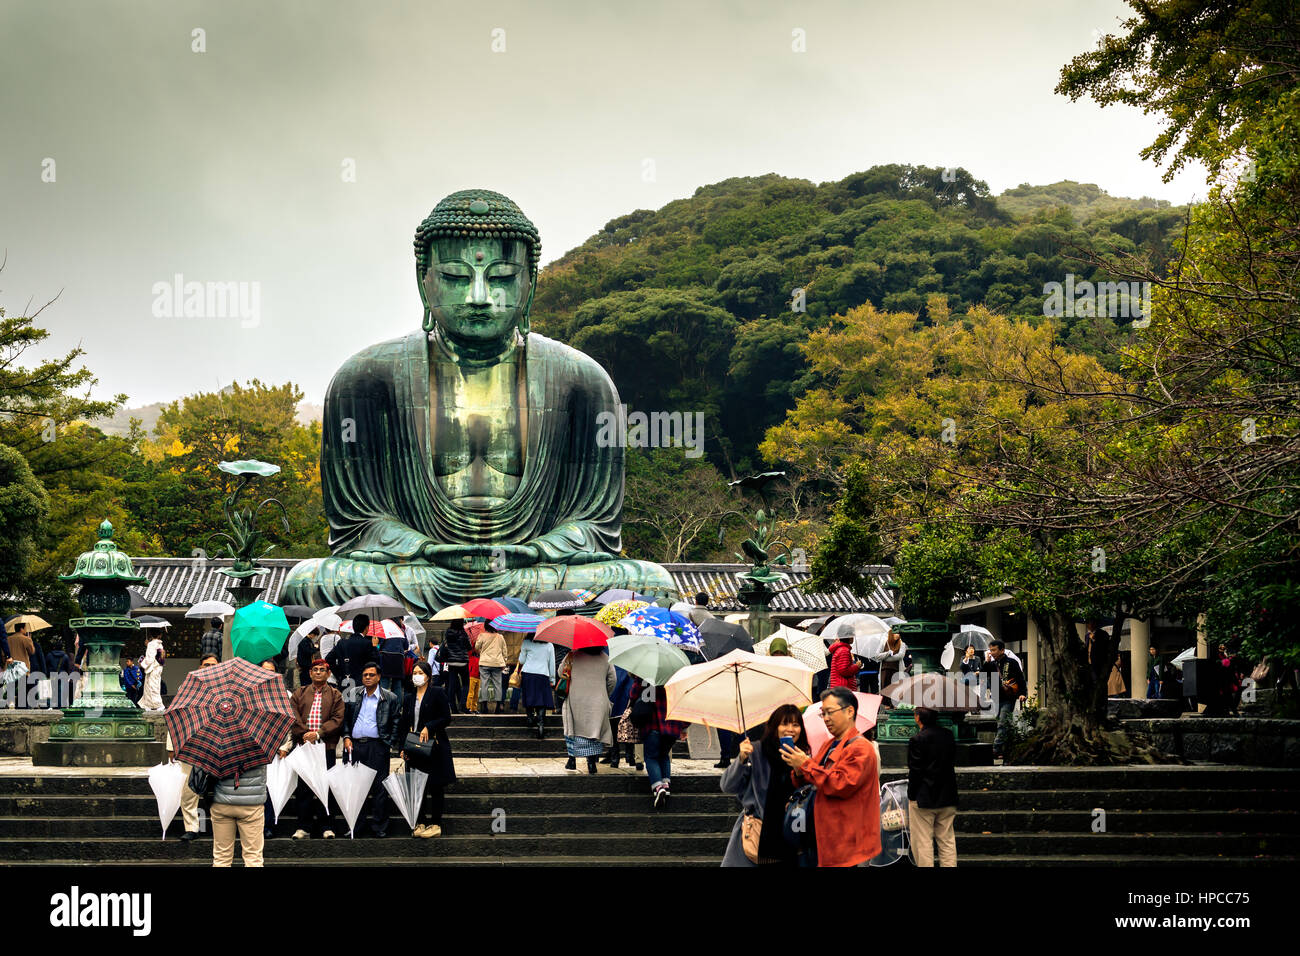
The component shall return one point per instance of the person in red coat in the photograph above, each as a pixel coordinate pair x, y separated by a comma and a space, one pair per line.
846, 772
844, 669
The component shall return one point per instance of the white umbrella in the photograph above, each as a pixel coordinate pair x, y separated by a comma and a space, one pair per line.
1184, 657
209, 609
307, 761
407, 790
152, 620
390, 628
371, 605
350, 782
973, 635
806, 648
280, 781
947, 657
166, 781
737, 690
869, 632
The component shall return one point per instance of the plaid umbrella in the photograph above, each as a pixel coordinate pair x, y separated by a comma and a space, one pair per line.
229, 718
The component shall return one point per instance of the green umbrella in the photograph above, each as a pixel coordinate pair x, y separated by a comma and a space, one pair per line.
259, 631
647, 657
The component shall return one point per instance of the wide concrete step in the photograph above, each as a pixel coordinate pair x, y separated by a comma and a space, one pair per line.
398, 844
61, 806
203, 857
1110, 800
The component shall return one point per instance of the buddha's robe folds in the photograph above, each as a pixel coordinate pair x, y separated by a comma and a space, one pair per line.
385, 501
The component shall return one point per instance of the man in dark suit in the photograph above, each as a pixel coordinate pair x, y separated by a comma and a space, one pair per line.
318, 718
1011, 687
350, 656
932, 790
372, 722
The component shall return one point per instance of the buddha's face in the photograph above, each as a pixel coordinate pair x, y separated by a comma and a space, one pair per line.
476, 290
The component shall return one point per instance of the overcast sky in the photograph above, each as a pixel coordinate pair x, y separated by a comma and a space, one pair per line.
229, 164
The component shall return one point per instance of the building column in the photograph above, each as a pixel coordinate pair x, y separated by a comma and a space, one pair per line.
1032, 670
993, 622
1139, 641
1202, 647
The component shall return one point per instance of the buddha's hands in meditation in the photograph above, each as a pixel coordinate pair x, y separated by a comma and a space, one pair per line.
587, 557
482, 557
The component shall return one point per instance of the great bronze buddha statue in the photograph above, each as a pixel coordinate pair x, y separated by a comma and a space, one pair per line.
463, 460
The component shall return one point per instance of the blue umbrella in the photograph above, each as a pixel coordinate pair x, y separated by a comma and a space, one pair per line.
519, 623
514, 604
664, 624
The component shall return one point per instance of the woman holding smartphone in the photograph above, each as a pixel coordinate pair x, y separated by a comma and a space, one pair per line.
762, 782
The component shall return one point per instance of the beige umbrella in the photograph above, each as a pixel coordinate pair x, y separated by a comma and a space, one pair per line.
804, 647
737, 690
34, 622
453, 612
934, 690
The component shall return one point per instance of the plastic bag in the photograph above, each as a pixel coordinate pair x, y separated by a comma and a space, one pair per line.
895, 841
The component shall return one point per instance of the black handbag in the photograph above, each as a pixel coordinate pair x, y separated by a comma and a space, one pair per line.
413, 746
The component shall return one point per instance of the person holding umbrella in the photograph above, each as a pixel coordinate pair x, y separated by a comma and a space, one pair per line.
318, 717
350, 656
586, 709
846, 773
425, 713
491, 647
453, 655
371, 729
537, 667
152, 662
210, 642
658, 735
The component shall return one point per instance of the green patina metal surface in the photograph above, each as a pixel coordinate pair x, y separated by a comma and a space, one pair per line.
102, 711
462, 460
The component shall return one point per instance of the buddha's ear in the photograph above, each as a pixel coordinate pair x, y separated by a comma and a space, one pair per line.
525, 322
427, 323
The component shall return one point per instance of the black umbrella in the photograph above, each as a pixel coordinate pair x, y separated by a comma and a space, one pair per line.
720, 637
298, 612
814, 625
555, 601
138, 600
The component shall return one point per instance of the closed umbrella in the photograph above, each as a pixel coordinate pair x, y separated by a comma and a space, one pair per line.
350, 782
934, 690
229, 718
371, 605
210, 609
806, 648
647, 657
258, 631
721, 637
738, 690
280, 781
166, 781
574, 632
407, 790
815, 727
307, 761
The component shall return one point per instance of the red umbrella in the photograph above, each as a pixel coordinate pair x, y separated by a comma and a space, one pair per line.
815, 727
574, 632
483, 607
229, 718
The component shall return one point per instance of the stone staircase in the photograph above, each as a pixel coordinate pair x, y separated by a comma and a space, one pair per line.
508, 735
1009, 816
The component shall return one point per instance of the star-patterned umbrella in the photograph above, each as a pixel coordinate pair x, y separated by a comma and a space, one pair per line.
229, 718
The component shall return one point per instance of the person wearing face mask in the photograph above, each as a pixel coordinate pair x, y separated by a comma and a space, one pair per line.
762, 783
426, 713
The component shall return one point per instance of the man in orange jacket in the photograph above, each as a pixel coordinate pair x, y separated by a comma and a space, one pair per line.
846, 811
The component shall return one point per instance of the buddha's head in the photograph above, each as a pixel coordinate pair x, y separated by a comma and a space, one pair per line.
476, 259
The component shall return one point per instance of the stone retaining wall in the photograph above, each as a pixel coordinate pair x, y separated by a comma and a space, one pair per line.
19, 729
1234, 740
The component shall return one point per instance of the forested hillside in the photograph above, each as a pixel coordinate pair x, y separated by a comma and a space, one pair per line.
693, 306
